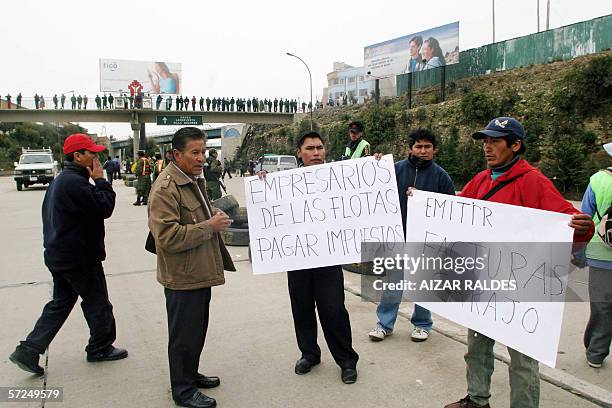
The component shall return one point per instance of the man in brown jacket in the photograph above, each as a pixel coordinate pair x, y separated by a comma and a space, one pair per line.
191, 258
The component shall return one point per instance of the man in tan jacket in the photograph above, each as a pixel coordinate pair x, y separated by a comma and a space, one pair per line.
191, 258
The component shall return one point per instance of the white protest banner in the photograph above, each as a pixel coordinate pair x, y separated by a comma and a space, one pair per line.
319, 215
528, 246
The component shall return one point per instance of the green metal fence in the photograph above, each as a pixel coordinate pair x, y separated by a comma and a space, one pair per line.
562, 43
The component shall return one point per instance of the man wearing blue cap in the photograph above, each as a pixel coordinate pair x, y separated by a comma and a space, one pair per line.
510, 179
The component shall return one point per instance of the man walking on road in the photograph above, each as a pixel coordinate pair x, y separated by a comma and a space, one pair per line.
73, 213
191, 258
525, 186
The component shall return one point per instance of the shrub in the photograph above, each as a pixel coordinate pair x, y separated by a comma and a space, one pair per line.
476, 106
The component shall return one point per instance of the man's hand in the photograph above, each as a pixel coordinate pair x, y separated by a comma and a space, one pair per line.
220, 221
261, 174
96, 172
378, 155
582, 223
410, 191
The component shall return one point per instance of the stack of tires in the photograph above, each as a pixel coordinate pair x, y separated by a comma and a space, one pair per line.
238, 233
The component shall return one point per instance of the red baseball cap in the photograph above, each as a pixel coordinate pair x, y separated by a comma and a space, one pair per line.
79, 141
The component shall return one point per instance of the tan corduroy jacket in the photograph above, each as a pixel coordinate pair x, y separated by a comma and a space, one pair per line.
189, 254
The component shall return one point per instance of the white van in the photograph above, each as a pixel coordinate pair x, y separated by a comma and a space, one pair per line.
277, 162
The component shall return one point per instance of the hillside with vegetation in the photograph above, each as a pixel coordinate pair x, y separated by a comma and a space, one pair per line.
565, 107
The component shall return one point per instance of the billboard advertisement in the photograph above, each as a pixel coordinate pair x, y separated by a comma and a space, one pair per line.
414, 52
155, 77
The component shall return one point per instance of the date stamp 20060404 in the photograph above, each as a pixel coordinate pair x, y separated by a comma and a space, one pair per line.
29, 394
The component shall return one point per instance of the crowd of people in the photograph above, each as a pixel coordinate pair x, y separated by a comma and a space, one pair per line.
168, 102
192, 256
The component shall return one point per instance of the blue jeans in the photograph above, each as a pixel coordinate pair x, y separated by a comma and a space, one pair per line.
389, 306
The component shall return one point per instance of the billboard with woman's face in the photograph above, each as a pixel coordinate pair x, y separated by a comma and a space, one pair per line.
415, 52
156, 77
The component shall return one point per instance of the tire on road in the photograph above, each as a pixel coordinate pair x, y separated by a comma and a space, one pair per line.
239, 215
226, 203
236, 237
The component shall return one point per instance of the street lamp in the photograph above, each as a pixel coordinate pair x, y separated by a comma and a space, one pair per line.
310, 76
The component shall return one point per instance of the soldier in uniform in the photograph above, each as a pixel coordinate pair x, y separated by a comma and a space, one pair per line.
143, 183
212, 173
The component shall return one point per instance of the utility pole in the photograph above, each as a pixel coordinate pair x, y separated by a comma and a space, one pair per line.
538, 15
493, 14
547, 14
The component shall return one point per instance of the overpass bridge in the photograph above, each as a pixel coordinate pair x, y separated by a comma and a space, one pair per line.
138, 117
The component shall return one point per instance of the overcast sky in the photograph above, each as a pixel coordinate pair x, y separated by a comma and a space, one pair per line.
237, 48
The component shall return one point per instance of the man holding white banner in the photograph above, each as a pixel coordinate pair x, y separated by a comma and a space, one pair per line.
418, 171
321, 288
511, 180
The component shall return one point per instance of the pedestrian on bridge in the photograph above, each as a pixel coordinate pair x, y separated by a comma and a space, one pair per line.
207, 103
42, 102
98, 102
73, 101
55, 101
36, 101
178, 102
111, 100
8, 101
186, 102
73, 214
104, 102
158, 102
79, 101
193, 102
62, 100
85, 100
201, 103
168, 103
19, 100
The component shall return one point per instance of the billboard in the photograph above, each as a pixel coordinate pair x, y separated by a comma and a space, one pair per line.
155, 77
414, 52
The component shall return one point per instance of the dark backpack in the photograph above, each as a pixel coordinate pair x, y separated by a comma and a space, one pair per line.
604, 229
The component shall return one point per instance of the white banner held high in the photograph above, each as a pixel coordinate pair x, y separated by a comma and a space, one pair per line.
533, 328
319, 215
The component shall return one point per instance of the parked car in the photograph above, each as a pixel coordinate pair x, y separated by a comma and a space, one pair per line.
277, 162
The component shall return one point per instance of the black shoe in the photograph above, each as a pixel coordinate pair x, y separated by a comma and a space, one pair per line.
136, 203
349, 375
198, 400
111, 354
27, 360
303, 366
207, 382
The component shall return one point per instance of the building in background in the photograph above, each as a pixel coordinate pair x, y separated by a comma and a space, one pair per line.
350, 81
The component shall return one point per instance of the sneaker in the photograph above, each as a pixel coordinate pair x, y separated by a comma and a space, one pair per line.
593, 364
27, 360
419, 334
379, 334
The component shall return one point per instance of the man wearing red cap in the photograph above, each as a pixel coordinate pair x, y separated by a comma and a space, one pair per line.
73, 213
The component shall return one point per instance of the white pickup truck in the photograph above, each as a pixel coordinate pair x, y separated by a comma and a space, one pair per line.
35, 166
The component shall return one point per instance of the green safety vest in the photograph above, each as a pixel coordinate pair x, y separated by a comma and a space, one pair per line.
358, 150
601, 184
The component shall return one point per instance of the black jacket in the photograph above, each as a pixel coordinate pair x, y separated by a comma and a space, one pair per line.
422, 175
73, 213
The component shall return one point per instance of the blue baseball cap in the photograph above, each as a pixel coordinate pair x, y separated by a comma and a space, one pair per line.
500, 127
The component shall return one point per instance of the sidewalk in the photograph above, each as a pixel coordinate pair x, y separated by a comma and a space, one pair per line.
250, 343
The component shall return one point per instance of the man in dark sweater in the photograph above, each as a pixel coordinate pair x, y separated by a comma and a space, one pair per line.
73, 213
418, 171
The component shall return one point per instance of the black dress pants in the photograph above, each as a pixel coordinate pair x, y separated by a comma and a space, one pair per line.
187, 324
322, 288
89, 283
